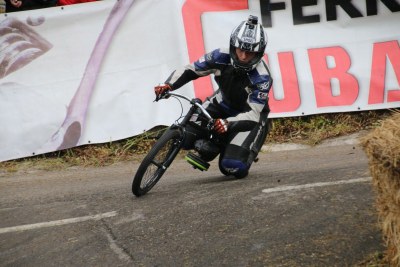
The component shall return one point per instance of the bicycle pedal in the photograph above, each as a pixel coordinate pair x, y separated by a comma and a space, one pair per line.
197, 162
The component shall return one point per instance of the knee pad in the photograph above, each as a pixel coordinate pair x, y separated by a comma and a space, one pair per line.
235, 167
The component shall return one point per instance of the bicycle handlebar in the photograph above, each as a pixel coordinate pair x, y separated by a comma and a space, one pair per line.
195, 101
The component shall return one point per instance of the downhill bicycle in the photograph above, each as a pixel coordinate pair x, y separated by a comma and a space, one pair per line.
166, 148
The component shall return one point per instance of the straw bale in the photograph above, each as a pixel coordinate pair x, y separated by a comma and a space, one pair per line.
382, 147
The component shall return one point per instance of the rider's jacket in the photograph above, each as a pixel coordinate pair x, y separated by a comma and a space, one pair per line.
242, 95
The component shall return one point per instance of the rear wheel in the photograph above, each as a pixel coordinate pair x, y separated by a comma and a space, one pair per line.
156, 162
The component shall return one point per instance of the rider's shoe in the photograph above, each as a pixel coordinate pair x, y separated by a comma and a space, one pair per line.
197, 162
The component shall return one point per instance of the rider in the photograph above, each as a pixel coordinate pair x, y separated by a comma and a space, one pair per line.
241, 102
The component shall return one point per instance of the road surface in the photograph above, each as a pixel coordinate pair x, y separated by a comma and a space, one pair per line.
307, 207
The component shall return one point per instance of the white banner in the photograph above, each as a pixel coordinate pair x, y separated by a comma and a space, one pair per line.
85, 73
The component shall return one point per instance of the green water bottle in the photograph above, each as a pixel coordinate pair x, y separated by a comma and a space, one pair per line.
2, 6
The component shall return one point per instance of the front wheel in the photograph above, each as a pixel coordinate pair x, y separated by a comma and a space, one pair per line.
156, 162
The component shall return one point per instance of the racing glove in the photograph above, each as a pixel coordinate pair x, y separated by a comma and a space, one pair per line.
161, 89
221, 126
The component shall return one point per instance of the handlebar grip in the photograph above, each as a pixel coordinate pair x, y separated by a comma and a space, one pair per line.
161, 96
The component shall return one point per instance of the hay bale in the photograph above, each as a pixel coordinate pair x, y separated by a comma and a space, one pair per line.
382, 147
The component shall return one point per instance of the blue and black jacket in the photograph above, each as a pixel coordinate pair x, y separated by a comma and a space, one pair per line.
242, 95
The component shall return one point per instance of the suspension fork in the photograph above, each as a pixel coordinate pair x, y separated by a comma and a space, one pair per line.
182, 128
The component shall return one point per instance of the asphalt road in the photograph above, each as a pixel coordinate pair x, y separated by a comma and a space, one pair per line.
308, 207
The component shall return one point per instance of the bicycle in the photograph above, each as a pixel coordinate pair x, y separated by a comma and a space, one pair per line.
167, 147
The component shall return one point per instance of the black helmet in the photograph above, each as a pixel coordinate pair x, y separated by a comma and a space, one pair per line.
248, 36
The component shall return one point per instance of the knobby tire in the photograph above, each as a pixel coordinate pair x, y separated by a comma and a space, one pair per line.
156, 162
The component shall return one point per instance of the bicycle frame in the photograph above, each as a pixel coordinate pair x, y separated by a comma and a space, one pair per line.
166, 148
195, 104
